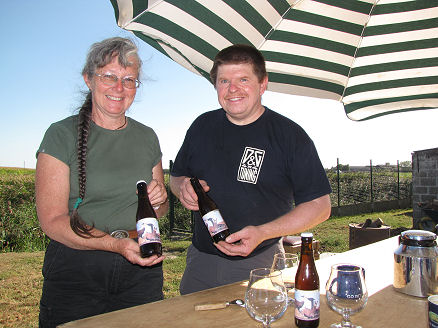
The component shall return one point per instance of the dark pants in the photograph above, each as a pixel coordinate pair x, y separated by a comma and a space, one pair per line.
205, 271
79, 284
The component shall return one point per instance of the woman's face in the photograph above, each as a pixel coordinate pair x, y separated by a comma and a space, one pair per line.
112, 100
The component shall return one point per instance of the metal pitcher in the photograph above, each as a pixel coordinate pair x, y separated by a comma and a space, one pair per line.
415, 263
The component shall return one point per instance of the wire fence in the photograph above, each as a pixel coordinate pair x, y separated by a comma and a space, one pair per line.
369, 184
351, 185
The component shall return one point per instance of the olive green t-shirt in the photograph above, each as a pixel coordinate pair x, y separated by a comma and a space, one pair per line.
116, 160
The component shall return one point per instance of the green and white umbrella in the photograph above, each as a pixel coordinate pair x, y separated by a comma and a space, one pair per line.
376, 57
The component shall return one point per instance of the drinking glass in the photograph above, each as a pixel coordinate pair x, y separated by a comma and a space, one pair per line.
346, 292
265, 296
285, 262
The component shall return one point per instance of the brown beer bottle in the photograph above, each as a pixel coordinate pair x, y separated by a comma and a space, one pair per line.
307, 286
213, 220
147, 224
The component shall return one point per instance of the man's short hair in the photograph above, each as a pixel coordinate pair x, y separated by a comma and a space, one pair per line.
239, 54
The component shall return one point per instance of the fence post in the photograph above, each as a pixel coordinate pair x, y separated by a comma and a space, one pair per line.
398, 180
371, 185
171, 204
338, 182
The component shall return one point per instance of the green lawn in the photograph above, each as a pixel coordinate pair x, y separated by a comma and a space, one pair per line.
21, 280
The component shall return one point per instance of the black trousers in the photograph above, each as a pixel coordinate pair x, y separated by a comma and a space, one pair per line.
78, 284
205, 271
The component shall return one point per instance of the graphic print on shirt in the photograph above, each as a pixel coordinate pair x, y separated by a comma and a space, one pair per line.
250, 165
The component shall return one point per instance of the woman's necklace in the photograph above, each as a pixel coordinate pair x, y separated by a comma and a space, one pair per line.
122, 125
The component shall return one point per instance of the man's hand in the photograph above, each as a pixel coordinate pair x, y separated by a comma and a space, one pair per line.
301, 218
183, 189
241, 243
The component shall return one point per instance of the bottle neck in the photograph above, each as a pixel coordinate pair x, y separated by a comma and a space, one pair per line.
307, 275
142, 190
197, 187
205, 203
307, 247
144, 206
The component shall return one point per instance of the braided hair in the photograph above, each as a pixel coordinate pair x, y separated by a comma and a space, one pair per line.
99, 55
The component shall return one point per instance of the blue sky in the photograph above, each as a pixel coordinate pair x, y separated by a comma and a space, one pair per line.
44, 44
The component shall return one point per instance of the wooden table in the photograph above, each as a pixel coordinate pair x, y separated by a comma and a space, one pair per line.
385, 308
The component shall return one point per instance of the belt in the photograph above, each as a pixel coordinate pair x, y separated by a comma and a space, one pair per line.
124, 234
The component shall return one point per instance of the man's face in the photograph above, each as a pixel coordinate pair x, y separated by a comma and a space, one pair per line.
239, 92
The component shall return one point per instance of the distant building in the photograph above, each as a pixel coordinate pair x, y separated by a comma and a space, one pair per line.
424, 186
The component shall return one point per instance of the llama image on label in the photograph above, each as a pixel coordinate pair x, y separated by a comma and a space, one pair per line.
149, 233
213, 226
307, 308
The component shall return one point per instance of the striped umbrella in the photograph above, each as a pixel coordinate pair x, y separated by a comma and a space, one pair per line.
375, 56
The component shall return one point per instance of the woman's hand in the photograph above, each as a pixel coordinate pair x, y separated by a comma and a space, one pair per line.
129, 249
157, 193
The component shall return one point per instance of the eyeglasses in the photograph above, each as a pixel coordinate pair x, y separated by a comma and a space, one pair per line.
111, 79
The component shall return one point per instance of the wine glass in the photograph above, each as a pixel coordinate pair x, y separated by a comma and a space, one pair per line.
285, 262
346, 292
265, 296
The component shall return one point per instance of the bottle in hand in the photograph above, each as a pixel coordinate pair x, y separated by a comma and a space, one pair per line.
307, 286
147, 224
213, 220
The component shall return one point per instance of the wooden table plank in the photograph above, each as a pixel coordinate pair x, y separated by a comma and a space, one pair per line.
386, 307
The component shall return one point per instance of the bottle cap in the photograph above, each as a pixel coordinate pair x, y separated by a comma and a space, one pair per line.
307, 235
140, 181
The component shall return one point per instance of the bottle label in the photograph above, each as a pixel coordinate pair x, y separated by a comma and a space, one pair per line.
307, 304
148, 231
214, 222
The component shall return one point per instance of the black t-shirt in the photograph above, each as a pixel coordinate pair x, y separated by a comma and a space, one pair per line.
255, 172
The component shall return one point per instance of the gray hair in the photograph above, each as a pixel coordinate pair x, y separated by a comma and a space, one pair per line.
102, 53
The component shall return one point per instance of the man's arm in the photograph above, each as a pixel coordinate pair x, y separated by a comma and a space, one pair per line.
301, 218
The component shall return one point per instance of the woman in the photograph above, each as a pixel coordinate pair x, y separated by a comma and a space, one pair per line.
87, 168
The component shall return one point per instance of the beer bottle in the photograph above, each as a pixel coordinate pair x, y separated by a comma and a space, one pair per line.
213, 220
306, 286
147, 225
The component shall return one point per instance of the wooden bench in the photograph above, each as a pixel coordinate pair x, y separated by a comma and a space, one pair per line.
292, 244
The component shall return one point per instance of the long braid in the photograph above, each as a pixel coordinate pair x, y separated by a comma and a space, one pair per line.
76, 223
99, 55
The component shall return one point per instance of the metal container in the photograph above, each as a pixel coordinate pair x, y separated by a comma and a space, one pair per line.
415, 263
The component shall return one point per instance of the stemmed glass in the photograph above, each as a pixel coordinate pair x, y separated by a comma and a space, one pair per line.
346, 292
285, 262
265, 296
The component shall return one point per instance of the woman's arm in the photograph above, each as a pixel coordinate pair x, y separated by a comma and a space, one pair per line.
52, 186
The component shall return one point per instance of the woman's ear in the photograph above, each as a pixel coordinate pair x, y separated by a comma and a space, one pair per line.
87, 81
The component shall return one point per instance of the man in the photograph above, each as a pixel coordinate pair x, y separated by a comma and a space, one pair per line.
255, 163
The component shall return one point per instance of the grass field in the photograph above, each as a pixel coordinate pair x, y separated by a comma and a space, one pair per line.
22, 242
21, 279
